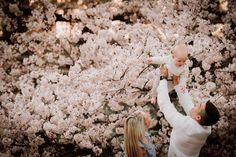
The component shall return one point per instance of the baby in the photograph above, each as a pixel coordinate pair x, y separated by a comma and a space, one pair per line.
177, 68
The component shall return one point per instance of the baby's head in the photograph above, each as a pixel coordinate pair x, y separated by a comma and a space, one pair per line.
180, 54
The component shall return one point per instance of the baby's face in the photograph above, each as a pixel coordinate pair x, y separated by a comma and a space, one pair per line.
179, 58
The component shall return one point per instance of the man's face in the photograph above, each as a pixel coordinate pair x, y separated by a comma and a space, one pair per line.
195, 111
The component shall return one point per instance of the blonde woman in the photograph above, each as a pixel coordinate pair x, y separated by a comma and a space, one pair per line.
137, 140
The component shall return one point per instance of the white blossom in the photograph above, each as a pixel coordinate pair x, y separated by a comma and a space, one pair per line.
211, 86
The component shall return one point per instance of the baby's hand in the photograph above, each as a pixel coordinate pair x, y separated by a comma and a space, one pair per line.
154, 100
149, 60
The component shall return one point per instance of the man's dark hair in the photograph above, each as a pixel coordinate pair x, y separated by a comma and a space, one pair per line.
211, 114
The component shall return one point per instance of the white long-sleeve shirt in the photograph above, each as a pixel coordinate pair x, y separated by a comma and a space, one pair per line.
168, 61
188, 136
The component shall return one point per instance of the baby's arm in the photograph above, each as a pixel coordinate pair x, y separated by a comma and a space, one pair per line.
157, 60
154, 91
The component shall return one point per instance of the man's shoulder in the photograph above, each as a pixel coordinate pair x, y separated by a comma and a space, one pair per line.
194, 128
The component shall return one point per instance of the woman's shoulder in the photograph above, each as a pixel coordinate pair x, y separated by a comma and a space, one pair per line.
146, 141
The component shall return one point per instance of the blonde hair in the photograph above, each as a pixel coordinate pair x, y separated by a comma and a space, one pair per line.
134, 132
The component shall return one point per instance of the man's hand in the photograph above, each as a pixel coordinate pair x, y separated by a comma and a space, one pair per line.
163, 71
154, 100
183, 89
175, 80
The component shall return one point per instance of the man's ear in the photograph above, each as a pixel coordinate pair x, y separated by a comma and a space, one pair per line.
198, 118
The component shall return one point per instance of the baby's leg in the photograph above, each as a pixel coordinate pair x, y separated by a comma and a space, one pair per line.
156, 82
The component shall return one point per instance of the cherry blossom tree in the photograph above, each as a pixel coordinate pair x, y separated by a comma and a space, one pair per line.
72, 71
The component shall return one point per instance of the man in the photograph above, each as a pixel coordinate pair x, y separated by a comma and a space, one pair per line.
191, 131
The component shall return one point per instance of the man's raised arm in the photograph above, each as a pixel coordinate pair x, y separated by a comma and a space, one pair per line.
168, 109
185, 99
